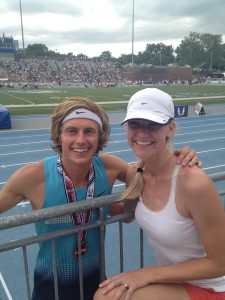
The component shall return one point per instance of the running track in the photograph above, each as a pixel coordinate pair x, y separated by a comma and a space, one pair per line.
205, 134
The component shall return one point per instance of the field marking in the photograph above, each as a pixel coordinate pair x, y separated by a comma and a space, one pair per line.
28, 143
113, 135
111, 102
17, 98
213, 167
24, 136
5, 287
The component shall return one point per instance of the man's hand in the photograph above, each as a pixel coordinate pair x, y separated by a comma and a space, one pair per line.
187, 157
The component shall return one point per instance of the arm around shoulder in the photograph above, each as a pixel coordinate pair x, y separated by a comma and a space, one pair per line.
115, 167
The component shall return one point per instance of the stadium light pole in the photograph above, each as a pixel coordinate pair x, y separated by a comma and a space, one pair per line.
133, 34
21, 21
211, 61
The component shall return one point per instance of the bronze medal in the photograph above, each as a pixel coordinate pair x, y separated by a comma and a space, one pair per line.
83, 250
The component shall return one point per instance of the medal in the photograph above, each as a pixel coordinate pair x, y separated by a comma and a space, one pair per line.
83, 250
78, 218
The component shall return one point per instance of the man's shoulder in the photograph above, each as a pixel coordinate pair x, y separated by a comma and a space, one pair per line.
29, 175
50, 158
113, 161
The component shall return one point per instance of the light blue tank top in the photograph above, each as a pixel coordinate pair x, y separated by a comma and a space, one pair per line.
67, 265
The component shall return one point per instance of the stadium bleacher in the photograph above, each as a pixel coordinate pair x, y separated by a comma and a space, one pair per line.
43, 70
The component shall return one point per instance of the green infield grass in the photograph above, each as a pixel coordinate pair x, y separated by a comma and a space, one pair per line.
41, 101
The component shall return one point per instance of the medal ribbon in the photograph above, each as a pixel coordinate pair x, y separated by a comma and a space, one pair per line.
82, 217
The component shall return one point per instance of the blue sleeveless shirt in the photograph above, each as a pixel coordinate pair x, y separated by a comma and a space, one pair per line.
67, 264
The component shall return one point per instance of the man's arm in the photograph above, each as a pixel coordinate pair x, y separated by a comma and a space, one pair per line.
12, 192
25, 183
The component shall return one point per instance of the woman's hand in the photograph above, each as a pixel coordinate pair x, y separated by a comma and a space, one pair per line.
187, 157
126, 282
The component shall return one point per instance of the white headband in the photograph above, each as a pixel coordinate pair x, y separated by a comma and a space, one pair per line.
82, 113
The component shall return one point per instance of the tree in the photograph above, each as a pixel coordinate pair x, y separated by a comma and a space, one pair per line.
107, 55
82, 56
69, 54
125, 59
157, 54
37, 49
200, 51
213, 50
221, 61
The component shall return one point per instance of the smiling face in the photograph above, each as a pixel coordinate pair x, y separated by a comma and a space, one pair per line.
68, 106
147, 138
79, 141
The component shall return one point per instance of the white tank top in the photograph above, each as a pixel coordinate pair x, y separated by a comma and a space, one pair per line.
172, 237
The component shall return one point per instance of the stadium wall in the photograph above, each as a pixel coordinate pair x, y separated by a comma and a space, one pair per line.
154, 74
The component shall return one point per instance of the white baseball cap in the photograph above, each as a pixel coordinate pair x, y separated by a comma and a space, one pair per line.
150, 104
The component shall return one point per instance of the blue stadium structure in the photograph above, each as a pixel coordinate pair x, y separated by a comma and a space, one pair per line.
8, 46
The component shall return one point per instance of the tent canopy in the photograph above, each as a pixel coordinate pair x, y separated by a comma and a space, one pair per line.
5, 120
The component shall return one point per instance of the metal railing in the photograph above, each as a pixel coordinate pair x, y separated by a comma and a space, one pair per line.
59, 211
67, 209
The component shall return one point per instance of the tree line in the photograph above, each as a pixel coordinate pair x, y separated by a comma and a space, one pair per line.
204, 52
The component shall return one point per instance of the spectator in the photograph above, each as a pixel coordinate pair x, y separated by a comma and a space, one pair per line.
179, 210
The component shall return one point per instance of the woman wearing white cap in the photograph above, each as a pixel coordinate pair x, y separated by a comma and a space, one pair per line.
178, 209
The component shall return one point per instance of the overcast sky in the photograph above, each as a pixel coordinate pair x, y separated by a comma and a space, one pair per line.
93, 26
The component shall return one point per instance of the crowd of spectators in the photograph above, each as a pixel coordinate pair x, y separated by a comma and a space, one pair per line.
44, 71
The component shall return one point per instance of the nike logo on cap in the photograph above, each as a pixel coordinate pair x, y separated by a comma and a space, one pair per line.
142, 103
80, 112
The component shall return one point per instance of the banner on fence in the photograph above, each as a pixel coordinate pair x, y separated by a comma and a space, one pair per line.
180, 111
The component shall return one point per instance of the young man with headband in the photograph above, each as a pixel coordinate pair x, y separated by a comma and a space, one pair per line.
79, 131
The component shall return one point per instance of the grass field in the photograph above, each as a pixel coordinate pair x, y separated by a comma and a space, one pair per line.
42, 101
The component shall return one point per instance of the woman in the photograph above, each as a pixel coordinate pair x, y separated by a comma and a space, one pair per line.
179, 210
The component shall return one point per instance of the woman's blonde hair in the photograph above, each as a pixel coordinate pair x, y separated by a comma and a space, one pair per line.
136, 187
65, 108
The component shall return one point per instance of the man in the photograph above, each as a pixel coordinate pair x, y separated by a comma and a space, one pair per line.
79, 131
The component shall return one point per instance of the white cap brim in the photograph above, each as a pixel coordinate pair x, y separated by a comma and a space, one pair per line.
145, 115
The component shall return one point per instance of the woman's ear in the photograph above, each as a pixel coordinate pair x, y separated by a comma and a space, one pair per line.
171, 130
